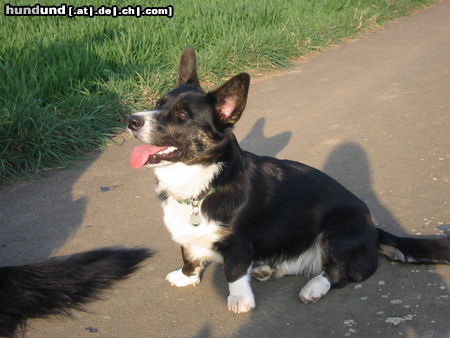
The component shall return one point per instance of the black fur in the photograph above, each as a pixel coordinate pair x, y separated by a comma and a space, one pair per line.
283, 207
57, 286
415, 250
191, 266
272, 210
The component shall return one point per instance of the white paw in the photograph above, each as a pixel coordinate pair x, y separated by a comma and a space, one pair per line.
179, 279
315, 289
241, 303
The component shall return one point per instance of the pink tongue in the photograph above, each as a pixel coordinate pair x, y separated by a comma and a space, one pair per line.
141, 154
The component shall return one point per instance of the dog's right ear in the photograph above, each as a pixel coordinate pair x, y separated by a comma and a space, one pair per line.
187, 74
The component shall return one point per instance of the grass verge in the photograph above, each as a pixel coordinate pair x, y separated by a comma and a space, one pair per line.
67, 83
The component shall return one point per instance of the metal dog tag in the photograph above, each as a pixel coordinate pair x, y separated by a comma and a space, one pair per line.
195, 219
195, 216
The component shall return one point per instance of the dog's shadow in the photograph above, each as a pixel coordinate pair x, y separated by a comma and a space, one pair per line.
256, 142
398, 299
349, 165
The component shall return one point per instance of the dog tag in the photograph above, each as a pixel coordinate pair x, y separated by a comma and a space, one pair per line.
195, 216
195, 219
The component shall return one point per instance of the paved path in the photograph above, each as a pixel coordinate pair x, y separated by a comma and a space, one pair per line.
373, 113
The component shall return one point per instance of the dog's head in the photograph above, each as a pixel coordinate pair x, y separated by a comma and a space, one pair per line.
188, 125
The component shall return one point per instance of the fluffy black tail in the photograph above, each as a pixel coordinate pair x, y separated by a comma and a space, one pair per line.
59, 285
414, 250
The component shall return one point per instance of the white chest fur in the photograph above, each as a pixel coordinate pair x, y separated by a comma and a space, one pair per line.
186, 181
183, 182
198, 239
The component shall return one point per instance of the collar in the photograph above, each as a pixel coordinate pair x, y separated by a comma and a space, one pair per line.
196, 201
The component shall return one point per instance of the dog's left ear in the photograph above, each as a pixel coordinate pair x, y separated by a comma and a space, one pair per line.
187, 73
230, 98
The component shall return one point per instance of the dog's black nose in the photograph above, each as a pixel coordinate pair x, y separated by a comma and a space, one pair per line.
135, 122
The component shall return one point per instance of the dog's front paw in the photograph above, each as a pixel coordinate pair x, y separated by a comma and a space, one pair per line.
315, 289
241, 304
179, 279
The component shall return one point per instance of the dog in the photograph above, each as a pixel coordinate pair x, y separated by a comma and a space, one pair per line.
257, 215
56, 286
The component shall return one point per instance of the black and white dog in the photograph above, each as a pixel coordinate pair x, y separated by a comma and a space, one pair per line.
258, 215
56, 286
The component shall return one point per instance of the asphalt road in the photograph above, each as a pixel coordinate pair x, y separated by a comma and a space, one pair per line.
374, 113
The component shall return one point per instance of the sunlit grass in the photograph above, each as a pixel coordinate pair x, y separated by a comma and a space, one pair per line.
67, 83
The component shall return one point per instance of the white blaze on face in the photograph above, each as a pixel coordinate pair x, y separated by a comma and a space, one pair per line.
144, 133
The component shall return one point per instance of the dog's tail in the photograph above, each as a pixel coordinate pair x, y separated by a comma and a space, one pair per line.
60, 285
414, 250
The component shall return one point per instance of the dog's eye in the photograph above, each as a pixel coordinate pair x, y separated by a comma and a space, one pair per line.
181, 115
160, 102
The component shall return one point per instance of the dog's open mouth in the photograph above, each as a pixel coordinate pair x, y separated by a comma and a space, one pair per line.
150, 154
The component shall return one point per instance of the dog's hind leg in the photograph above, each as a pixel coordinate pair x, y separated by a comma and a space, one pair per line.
262, 271
191, 272
350, 254
315, 289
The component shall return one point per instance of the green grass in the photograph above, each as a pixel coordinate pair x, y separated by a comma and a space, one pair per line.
67, 83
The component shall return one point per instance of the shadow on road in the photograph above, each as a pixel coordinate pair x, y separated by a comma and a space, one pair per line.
39, 216
258, 143
349, 165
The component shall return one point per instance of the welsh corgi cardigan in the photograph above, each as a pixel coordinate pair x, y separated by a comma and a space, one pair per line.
257, 215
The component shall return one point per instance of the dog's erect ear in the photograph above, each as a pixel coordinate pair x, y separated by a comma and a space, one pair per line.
187, 74
231, 97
